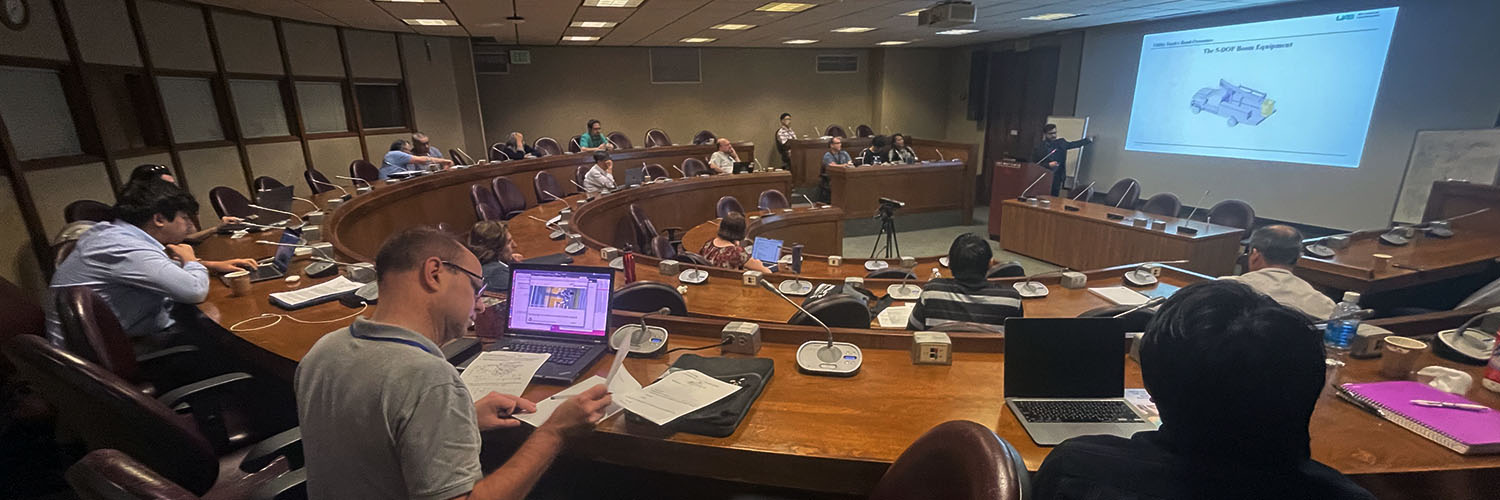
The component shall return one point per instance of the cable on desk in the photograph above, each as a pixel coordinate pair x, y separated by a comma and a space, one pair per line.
278, 317
710, 346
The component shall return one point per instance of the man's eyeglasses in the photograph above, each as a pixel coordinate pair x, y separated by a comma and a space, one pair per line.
476, 281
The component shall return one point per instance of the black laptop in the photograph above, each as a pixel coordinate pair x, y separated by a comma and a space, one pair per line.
560, 310
742, 167
276, 267
635, 176
1065, 377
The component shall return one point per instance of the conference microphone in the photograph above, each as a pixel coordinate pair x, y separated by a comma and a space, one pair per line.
1126, 194
356, 179
1085, 190
1028, 188
1146, 273
1045, 157
1030, 288
612, 142
558, 198
300, 222
1444, 228
575, 143
580, 186
816, 357
810, 202
645, 341
940, 154
904, 290
309, 202
796, 285
324, 265
340, 188
1150, 303
1185, 227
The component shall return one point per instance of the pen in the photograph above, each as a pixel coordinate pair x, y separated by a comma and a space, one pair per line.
1445, 404
1346, 396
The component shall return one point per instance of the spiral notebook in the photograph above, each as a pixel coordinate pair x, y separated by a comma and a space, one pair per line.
1463, 431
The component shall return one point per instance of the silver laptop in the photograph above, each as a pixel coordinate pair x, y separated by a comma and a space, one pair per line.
1065, 377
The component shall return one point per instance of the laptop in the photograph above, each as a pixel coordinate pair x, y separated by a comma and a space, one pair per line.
742, 167
560, 310
1065, 377
279, 198
635, 176
276, 267
767, 251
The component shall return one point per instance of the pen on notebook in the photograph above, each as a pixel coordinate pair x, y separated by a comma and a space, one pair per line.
1445, 404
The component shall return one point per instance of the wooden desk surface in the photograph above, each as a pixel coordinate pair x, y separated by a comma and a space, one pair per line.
1087, 239
1424, 260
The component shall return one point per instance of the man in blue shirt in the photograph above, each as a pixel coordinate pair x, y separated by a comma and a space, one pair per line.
138, 264
836, 156
400, 159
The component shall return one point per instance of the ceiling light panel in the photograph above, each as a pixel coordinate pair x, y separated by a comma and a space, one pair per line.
913, 13
612, 3
697, 40
576, 38
957, 32
799, 42
430, 22
1056, 16
785, 7
853, 29
592, 24
732, 27
894, 42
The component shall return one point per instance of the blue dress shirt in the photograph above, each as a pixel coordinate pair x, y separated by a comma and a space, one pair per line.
131, 271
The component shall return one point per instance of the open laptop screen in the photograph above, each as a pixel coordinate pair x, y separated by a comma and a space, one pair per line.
766, 250
560, 301
284, 253
1064, 358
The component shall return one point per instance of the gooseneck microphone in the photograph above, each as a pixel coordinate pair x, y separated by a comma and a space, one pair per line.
558, 198
1031, 288
684, 174
356, 179
336, 186
300, 222
1126, 194
1084, 190
940, 154
810, 203
646, 341
1154, 301
1185, 227
1028, 188
816, 357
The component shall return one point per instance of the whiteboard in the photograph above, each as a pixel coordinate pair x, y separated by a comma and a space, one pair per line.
1072, 128
1472, 155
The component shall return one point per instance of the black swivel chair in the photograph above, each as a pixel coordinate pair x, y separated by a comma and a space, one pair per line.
727, 205
837, 311
229, 202
90, 210
649, 296
266, 182
512, 202
957, 460
704, 137
1011, 269
772, 200
892, 274
1165, 204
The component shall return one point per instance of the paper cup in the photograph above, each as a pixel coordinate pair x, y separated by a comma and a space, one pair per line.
835, 260
239, 283
1382, 262
1398, 356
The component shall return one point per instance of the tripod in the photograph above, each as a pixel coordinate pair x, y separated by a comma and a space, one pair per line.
888, 229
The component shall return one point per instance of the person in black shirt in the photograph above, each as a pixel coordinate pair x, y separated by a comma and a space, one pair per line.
1052, 154
516, 148
1235, 376
876, 153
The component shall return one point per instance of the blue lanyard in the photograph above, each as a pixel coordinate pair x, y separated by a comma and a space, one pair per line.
412, 343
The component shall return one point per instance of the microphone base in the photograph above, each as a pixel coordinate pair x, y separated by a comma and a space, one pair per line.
320, 270
812, 359
650, 344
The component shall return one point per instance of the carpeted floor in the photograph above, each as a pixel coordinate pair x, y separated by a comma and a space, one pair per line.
924, 235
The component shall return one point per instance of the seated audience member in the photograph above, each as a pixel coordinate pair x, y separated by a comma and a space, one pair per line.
1235, 376
835, 157
1274, 251
784, 135
384, 415
594, 139
421, 146
725, 250
400, 159
968, 301
722, 161
900, 152
876, 153
138, 263
491, 242
148, 172
516, 147
600, 177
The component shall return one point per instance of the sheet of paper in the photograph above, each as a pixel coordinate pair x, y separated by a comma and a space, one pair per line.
504, 372
621, 343
337, 285
675, 395
1120, 295
624, 383
1141, 400
895, 316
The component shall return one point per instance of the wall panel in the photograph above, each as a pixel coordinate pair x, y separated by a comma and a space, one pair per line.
210, 167
248, 43
53, 189
379, 145
127, 164
313, 49
282, 161
41, 37
434, 95
176, 35
372, 54
332, 156
18, 263
105, 26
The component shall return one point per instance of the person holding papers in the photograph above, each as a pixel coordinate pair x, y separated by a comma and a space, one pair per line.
385, 416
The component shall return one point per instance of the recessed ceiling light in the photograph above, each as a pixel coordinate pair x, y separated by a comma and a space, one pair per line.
894, 42
853, 29
732, 27
914, 13
574, 38
799, 42
957, 32
593, 24
1057, 16
612, 3
785, 7
430, 22
697, 40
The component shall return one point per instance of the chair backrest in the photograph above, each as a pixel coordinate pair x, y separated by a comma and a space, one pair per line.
486, 204
547, 146
96, 211
576, 145
864, 131
91, 330
266, 182
495, 152
106, 412
363, 169
645, 231
1163, 204
892, 273
693, 167
657, 137
656, 171
772, 199
317, 183
835, 131
545, 183
649, 296
1134, 322
957, 460
661, 247
460, 157
728, 204
227, 201
580, 172
510, 197
620, 140
1011, 269
1086, 195
692, 258
23, 316
704, 137
1232, 213
61, 251
1123, 194
836, 310
106, 474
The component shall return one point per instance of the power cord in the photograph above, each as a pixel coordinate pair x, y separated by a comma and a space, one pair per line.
710, 346
278, 317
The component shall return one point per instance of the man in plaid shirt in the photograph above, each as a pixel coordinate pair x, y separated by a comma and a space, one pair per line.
783, 135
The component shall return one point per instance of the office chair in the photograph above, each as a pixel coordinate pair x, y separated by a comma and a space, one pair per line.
547, 146
1011, 269
864, 131
727, 205
106, 474
266, 182
657, 138
227, 201
693, 167
579, 173
486, 204
891, 273
317, 183
459, 157
835, 131
656, 171
649, 296
645, 231
957, 460
90, 210
1232, 213
704, 137
362, 169
91, 331
512, 201
576, 145
691, 258
772, 200
1165, 204
620, 140
545, 183
836, 310
1124, 194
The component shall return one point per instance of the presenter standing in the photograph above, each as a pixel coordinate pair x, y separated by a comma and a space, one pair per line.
1052, 154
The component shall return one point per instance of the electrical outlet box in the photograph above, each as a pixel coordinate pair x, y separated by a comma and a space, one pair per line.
931, 348
743, 338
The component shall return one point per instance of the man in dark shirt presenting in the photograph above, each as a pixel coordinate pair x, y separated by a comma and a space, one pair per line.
1052, 154
1235, 376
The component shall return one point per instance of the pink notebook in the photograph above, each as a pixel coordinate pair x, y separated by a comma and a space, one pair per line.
1466, 432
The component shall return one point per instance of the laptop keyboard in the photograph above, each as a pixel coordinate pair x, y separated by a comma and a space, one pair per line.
561, 354
1077, 411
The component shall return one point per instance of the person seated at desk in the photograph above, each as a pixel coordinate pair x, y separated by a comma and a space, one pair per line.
784, 136
138, 264
594, 139
835, 157
149, 172
722, 161
491, 242
1274, 251
600, 177
1235, 376
400, 159
384, 415
900, 152
1052, 154
876, 153
725, 250
516, 148
421, 146
968, 300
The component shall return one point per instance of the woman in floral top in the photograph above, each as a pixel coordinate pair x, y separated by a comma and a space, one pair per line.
725, 250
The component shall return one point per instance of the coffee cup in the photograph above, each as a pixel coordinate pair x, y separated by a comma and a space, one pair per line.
1399, 356
1382, 262
239, 283
835, 260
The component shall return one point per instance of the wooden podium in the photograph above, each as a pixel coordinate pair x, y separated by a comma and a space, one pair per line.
1009, 179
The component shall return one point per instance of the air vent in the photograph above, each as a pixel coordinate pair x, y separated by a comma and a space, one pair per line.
491, 64
673, 65
838, 63
520, 57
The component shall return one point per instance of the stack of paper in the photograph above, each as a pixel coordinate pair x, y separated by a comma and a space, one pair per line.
295, 298
895, 316
1120, 295
504, 372
677, 394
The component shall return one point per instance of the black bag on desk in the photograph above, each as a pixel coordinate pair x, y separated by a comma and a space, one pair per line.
721, 418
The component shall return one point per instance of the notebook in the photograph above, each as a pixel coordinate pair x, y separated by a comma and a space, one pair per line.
1463, 431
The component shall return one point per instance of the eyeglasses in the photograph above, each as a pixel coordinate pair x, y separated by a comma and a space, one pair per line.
476, 281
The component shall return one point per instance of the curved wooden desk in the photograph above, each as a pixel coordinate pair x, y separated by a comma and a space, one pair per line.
807, 155
923, 187
1087, 239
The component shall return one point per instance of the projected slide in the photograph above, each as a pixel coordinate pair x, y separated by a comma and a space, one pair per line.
1295, 90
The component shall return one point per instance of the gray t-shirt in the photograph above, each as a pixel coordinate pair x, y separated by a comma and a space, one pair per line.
384, 418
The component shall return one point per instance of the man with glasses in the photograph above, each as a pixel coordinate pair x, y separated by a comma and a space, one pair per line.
1052, 154
594, 139
384, 415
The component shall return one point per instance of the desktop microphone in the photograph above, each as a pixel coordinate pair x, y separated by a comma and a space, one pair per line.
1028, 188
575, 143
810, 203
1154, 301
309, 202
1045, 157
904, 290
612, 142
1444, 228
340, 188
940, 154
645, 341
461, 152
300, 222
557, 231
1029, 288
356, 179
1185, 227
580, 186
1084, 190
817, 357
1125, 195
558, 198
684, 174
796, 286
1146, 273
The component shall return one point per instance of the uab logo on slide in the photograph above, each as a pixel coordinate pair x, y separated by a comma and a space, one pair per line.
1344, 17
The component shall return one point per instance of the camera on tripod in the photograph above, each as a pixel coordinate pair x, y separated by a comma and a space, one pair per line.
888, 206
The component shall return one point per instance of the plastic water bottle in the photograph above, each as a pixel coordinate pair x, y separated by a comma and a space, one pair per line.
1340, 332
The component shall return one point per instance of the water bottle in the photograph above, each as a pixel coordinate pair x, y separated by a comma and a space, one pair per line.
1340, 332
